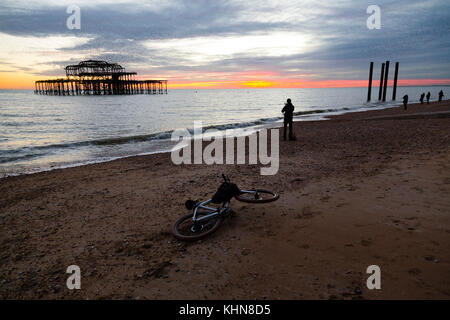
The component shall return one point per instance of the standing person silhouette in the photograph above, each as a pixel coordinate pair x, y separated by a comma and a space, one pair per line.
422, 96
441, 94
288, 111
428, 97
405, 102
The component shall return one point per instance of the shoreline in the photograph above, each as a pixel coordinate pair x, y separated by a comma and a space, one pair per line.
269, 124
353, 193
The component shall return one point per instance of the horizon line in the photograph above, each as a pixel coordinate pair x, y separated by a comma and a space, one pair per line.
261, 88
265, 84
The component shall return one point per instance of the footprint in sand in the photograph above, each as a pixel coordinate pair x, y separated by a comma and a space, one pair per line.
339, 205
418, 189
431, 258
406, 225
414, 271
307, 213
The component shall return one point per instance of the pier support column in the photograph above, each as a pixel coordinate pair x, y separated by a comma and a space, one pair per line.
386, 75
380, 91
394, 89
369, 90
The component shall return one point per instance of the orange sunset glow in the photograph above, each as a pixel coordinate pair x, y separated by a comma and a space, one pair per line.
242, 50
297, 83
24, 81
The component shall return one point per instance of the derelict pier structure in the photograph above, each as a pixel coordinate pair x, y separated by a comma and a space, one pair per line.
95, 77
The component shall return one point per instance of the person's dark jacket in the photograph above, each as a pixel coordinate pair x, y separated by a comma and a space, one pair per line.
288, 111
405, 99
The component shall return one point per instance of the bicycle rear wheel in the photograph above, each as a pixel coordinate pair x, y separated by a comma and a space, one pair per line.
257, 196
186, 230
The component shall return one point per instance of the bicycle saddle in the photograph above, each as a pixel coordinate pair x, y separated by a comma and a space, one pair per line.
190, 204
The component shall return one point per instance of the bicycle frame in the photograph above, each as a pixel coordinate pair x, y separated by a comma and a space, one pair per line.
206, 216
212, 211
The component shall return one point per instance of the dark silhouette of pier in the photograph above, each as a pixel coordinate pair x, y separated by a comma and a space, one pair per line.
94, 77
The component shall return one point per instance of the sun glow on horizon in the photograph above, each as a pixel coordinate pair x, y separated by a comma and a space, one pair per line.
257, 84
297, 83
12, 80
224, 44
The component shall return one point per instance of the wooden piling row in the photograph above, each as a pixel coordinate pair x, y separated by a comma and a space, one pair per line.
63, 87
384, 75
96, 77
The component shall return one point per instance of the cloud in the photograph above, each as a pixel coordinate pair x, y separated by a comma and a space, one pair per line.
304, 39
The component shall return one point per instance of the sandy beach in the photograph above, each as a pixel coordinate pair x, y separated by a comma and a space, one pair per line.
361, 189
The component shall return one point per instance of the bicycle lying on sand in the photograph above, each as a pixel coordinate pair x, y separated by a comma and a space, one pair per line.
204, 219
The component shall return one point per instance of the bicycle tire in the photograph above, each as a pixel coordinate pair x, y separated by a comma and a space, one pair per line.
273, 196
197, 236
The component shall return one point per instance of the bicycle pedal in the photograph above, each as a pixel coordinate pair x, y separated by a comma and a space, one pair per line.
225, 212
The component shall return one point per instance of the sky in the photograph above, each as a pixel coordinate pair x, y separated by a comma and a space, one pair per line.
229, 44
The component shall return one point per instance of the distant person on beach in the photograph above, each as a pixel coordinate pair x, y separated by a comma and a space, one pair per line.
422, 96
405, 101
288, 111
428, 97
441, 94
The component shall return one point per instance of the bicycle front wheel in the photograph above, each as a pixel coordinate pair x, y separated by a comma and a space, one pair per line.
257, 196
187, 230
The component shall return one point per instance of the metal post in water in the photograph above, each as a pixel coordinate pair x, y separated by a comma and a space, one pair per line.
369, 91
381, 81
386, 74
394, 90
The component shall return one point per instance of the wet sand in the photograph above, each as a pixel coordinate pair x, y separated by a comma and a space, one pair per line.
354, 192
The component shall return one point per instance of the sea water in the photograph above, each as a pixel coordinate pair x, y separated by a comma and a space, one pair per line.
39, 132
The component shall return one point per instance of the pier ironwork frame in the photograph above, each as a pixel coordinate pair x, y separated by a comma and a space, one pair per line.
95, 77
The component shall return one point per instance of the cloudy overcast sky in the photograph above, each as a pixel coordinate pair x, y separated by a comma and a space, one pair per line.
205, 43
